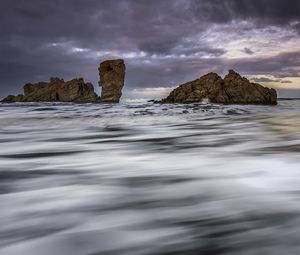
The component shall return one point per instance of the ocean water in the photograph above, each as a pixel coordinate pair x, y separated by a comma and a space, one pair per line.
139, 178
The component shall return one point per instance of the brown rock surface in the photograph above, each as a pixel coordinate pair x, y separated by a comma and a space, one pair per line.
57, 89
208, 86
12, 99
112, 75
234, 89
241, 91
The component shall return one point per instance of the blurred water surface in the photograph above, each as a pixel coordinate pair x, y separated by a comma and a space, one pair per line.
139, 178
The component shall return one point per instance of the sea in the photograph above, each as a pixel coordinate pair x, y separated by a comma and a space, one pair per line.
141, 178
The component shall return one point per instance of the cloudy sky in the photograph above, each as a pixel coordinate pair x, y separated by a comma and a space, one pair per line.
164, 42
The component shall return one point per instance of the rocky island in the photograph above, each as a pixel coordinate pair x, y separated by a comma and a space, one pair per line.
56, 90
112, 75
233, 89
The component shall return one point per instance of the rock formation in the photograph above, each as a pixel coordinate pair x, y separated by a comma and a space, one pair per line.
233, 89
112, 75
13, 99
241, 91
57, 89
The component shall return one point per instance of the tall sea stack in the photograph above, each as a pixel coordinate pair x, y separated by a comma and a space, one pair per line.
112, 75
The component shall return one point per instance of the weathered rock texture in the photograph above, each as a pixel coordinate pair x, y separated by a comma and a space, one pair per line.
112, 75
12, 99
57, 89
233, 89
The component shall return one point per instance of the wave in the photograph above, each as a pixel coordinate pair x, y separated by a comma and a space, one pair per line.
143, 178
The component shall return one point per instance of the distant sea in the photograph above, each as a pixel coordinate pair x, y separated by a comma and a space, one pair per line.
141, 178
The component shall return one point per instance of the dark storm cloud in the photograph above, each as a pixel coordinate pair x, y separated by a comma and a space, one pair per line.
170, 72
296, 26
286, 82
248, 51
263, 11
280, 66
163, 39
266, 80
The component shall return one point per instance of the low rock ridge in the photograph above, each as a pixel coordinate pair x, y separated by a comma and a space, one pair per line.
56, 90
233, 89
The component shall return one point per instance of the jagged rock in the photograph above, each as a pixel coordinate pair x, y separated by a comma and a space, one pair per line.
13, 99
57, 89
234, 89
208, 86
241, 91
112, 75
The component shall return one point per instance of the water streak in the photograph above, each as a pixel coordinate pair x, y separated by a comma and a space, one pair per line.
140, 178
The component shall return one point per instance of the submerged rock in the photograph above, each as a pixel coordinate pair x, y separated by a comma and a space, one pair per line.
112, 75
57, 90
234, 89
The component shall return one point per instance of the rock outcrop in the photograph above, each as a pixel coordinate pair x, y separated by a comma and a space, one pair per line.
57, 90
241, 91
233, 89
13, 99
112, 75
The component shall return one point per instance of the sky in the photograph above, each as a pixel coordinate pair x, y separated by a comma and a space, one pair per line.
163, 42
